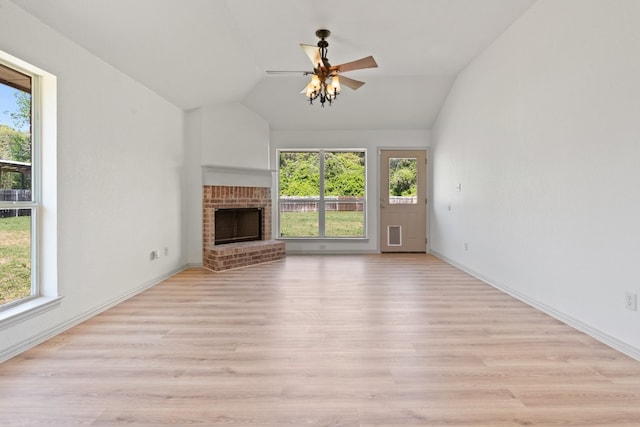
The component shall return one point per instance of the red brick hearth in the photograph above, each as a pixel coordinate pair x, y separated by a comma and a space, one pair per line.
235, 255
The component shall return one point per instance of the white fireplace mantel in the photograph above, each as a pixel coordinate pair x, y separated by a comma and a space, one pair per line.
240, 177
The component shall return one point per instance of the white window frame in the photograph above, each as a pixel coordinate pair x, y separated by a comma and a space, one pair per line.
44, 278
321, 198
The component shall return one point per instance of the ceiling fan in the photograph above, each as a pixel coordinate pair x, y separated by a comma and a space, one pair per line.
326, 79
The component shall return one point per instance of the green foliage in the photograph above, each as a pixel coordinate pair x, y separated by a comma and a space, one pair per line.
15, 258
338, 224
344, 174
299, 174
20, 147
344, 224
5, 140
22, 116
403, 175
16, 145
299, 224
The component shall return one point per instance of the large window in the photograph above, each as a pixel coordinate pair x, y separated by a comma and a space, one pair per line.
322, 193
18, 195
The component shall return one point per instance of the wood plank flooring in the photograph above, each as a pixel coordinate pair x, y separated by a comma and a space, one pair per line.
369, 340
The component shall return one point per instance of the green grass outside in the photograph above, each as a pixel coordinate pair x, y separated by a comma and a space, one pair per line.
15, 258
337, 224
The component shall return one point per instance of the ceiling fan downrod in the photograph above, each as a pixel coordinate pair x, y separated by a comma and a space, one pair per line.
323, 45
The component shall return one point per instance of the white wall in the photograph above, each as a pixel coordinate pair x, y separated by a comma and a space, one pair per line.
370, 140
119, 164
233, 135
227, 135
542, 132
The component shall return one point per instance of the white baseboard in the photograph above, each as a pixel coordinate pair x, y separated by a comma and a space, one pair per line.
25, 345
603, 337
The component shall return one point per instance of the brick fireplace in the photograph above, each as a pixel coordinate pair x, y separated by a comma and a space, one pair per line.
219, 257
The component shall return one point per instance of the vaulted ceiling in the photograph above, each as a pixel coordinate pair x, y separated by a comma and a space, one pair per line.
198, 53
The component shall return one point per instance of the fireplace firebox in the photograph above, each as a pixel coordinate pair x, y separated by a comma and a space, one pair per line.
237, 225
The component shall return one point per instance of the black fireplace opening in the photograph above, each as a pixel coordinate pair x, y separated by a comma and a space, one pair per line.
237, 225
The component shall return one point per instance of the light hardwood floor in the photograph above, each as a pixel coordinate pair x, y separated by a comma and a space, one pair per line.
371, 340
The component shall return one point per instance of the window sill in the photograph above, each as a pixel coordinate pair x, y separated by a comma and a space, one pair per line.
325, 239
27, 310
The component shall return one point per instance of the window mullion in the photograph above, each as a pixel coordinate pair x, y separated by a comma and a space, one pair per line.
321, 203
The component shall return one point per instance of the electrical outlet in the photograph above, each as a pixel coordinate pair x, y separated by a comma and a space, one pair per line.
631, 301
166, 251
466, 246
154, 255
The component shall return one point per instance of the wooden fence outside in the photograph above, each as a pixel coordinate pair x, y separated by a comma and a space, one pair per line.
336, 204
403, 200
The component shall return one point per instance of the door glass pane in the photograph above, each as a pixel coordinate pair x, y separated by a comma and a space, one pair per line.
344, 187
403, 180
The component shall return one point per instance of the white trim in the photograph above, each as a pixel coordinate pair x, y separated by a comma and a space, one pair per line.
26, 310
321, 199
44, 255
603, 337
304, 252
25, 345
240, 177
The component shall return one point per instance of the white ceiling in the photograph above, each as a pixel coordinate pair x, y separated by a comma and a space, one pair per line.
205, 52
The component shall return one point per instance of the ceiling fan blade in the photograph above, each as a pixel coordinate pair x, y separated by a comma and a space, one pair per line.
359, 64
304, 73
313, 53
350, 83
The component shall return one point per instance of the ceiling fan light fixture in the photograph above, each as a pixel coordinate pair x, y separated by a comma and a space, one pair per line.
324, 88
335, 82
